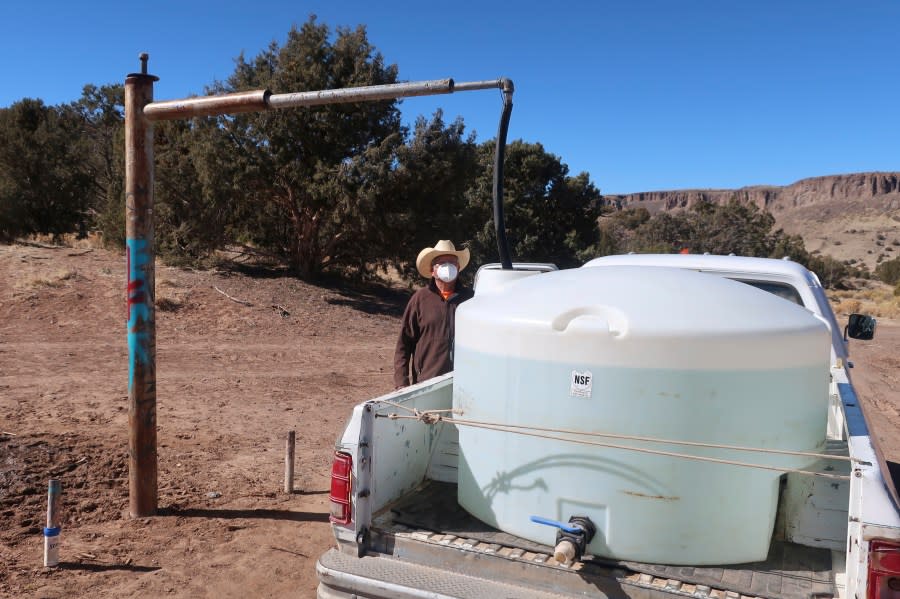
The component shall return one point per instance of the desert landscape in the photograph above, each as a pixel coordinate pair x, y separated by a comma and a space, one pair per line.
244, 355
854, 218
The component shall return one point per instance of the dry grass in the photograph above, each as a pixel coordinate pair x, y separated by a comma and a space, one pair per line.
52, 279
94, 239
877, 299
848, 306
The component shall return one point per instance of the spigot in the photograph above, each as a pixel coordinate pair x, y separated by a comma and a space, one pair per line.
571, 539
565, 552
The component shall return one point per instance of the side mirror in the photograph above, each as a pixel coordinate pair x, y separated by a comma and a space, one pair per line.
860, 326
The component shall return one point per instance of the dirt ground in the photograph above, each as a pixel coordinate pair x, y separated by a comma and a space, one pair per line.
232, 380
876, 378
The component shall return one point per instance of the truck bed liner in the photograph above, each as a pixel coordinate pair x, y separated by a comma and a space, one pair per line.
431, 514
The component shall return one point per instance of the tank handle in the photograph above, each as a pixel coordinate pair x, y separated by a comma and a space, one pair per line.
598, 319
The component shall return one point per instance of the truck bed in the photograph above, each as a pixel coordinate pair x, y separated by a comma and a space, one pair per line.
407, 537
425, 524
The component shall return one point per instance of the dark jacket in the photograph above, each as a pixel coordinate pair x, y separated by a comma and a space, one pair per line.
426, 335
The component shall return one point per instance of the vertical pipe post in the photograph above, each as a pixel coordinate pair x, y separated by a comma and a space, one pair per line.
51, 531
139, 251
289, 462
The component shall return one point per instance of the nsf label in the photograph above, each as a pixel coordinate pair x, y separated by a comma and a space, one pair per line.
581, 383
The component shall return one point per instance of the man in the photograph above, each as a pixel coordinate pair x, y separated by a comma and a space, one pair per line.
426, 335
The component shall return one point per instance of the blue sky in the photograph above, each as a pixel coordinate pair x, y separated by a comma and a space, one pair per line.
643, 95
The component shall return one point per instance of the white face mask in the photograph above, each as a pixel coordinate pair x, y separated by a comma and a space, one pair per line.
447, 272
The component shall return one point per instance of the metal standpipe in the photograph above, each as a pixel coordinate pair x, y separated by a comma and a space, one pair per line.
141, 277
140, 114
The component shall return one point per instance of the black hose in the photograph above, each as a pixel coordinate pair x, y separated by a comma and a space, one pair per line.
500, 151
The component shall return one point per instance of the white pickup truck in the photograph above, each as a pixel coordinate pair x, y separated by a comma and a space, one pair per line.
401, 532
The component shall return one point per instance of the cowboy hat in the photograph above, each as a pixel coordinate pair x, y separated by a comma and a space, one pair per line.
443, 247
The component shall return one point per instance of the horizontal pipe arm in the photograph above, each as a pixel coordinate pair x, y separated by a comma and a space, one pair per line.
171, 110
259, 100
362, 94
465, 86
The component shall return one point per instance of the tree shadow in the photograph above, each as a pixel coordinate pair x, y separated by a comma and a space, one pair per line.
254, 270
384, 302
106, 567
367, 296
247, 513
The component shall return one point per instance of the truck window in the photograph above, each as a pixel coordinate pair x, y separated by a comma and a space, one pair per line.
784, 290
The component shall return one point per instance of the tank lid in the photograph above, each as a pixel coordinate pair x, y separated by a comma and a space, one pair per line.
658, 310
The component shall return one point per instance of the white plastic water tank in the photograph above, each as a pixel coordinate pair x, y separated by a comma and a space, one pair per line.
654, 352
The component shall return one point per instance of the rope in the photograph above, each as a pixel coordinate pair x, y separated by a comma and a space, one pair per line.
399, 405
431, 418
667, 441
635, 437
426, 416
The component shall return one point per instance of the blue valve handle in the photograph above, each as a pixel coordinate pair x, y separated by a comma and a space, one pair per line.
566, 527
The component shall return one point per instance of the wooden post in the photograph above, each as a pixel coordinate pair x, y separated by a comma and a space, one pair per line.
289, 462
51, 531
140, 257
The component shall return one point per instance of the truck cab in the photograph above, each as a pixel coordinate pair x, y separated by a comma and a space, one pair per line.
783, 278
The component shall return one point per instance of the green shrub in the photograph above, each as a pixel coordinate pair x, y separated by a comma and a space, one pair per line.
889, 271
832, 273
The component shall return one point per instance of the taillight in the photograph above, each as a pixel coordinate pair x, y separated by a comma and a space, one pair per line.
884, 570
341, 468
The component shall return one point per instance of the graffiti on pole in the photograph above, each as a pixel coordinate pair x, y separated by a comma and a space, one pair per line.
139, 295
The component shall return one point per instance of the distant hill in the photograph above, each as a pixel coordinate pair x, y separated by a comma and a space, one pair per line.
850, 217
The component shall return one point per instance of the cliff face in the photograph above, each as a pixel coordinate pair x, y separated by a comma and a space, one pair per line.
883, 187
852, 217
